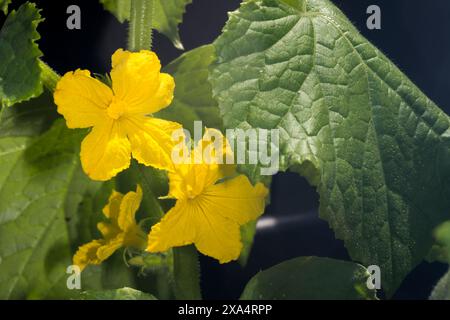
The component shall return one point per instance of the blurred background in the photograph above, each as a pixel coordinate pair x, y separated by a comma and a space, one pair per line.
415, 35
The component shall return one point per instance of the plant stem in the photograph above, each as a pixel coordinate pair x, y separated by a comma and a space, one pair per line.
141, 25
157, 212
186, 273
48, 76
185, 259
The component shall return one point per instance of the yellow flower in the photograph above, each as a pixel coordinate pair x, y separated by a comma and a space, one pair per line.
121, 231
118, 115
209, 210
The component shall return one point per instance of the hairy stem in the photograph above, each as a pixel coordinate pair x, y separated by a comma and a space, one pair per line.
141, 25
48, 76
186, 273
185, 259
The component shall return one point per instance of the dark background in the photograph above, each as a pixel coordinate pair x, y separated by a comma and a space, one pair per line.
415, 35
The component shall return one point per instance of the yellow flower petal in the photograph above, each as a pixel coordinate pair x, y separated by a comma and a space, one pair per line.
204, 169
120, 231
207, 213
108, 230
111, 210
193, 222
109, 247
176, 228
236, 199
189, 180
217, 236
87, 254
81, 99
164, 94
105, 151
137, 82
130, 204
151, 140
213, 148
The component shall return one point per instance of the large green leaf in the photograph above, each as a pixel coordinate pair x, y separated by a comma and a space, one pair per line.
168, 14
117, 294
19, 67
193, 95
310, 278
34, 186
47, 208
376, 147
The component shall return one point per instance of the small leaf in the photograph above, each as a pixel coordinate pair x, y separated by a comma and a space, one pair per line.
120, 8
167, 16
19, 68
4, 5
193, 95
117, 294
375, 146
442, 236
310, 278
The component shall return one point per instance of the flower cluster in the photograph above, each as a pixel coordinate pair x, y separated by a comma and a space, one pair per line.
212, 200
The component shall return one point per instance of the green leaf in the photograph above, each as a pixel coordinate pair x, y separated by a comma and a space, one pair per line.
4, 5
19, 70
193, 94
48, 207
310, 278
442, 236
117, 294
35, 177
375, 146
167, 16
30, 118
440, 250
120, 8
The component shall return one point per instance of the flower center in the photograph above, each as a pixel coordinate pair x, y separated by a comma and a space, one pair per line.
116, 109
190, 192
